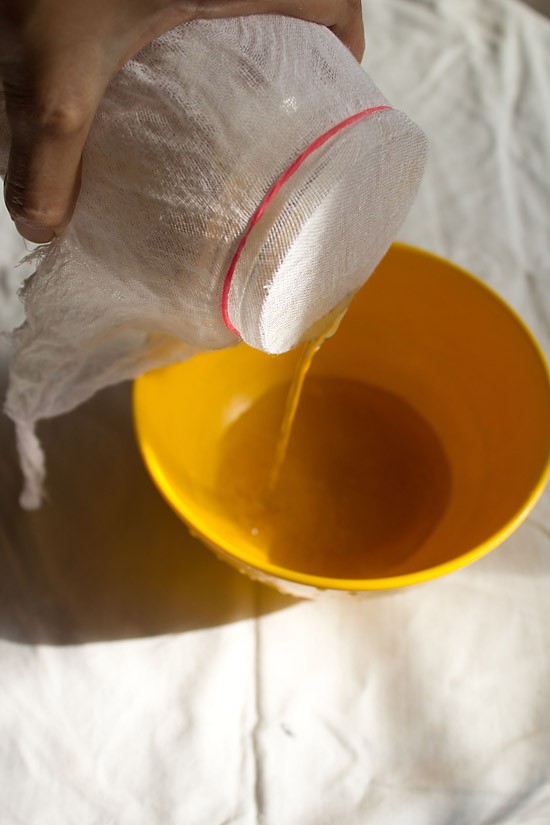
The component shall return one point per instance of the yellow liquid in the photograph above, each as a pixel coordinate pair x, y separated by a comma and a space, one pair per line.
293, 399
363, 484
334, 477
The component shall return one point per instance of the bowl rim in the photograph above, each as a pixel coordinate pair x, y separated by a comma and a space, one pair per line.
229, 550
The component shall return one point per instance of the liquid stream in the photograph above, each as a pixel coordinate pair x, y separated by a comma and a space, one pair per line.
293, 399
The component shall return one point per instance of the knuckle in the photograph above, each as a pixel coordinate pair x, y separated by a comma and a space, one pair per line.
61, 119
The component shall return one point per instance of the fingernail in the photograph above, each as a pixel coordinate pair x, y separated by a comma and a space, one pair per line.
35, 234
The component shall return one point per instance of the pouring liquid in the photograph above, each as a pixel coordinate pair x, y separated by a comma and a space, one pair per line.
320, 332
331, 476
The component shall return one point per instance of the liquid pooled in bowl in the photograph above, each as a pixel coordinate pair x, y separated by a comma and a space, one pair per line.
357, 486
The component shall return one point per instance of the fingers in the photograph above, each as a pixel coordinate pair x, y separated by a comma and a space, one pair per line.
350, 30
49, 120
56, 60
63, 58
343, 17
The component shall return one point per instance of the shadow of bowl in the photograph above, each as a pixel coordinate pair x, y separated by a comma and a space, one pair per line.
105, 558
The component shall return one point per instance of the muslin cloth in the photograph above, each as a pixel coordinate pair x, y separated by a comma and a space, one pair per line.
241, 179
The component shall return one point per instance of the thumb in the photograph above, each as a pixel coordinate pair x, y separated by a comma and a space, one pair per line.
49, 122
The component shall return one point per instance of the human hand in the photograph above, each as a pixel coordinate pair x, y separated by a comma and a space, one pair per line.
56, 60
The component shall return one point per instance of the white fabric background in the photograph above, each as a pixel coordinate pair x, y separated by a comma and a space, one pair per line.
144, 683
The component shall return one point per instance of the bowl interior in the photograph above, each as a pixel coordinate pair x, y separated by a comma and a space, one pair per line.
428, 412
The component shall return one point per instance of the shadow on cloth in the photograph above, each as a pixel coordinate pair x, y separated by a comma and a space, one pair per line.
105, 558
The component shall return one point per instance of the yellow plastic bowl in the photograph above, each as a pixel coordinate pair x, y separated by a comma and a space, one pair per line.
423, 336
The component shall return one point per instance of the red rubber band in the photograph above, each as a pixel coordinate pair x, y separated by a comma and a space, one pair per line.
294, 166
